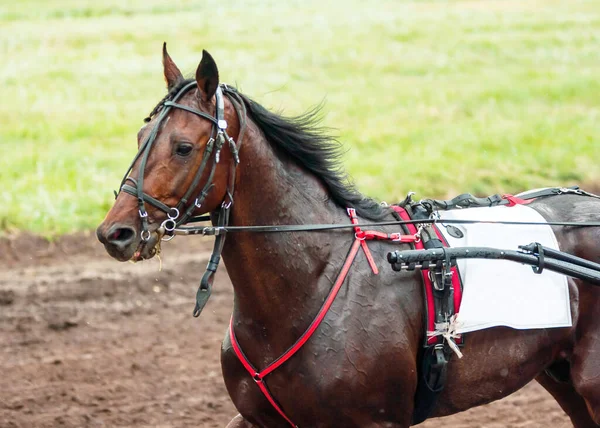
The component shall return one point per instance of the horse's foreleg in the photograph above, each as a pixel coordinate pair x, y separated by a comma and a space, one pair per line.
240, 422
569, 400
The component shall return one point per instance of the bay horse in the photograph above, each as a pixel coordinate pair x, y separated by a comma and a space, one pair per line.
359, 369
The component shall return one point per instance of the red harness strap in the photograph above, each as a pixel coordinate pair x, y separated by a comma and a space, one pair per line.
513, 200
360, 238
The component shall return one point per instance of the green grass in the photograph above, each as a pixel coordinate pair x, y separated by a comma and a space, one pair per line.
439, 97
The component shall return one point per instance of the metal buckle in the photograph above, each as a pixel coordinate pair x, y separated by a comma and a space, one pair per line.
226, 206
143, 214
417, 235
566, 190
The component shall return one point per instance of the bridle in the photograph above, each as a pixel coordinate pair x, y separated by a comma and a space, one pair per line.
182, 213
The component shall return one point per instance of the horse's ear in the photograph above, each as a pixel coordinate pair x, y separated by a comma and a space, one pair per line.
172, 73
207, 77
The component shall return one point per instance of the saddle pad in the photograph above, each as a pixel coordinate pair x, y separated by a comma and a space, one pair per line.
502, 292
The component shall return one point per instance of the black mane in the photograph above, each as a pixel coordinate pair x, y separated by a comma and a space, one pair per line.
310, 145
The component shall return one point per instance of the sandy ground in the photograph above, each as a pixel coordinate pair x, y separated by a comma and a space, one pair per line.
86, 341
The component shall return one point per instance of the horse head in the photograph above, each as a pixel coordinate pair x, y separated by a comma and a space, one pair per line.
180, 170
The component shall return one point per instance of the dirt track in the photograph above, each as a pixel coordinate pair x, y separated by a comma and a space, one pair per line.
86, 341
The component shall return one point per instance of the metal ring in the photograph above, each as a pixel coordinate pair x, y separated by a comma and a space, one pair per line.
169, 224
173, 217
146, 237
167, 238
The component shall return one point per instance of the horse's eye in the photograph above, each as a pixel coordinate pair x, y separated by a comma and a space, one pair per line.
184, 149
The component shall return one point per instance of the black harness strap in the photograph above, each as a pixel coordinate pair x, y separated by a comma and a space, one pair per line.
466, 200
205, 288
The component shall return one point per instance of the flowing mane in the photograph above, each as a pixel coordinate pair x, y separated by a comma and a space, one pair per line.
306, 142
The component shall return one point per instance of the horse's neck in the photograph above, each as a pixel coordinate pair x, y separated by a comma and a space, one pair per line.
279, 279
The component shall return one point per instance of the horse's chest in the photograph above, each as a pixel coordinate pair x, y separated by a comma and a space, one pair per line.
337, 376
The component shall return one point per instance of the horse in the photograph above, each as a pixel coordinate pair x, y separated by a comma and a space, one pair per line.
360, 366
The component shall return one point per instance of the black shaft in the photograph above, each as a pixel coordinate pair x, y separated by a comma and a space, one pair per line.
560, 255
403, 259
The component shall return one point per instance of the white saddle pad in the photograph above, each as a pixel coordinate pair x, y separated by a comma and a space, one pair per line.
501, 292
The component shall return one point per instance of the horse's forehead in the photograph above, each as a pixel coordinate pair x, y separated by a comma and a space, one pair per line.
177, 119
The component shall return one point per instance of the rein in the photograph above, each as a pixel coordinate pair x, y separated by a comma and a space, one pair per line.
431, 206
212, 230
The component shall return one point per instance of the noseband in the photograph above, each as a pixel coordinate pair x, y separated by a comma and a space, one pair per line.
182, 213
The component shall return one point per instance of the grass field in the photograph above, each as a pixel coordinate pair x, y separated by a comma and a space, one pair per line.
438, 97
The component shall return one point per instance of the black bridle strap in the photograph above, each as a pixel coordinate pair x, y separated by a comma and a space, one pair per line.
133, 190
205, 288
184, 200
191, 110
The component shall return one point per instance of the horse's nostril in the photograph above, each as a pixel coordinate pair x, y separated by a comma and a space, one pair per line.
115, 235
121, 236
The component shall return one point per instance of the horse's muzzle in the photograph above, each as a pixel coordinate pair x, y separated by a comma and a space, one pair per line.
120, 240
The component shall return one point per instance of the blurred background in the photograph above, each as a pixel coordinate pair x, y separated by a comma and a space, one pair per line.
437, 97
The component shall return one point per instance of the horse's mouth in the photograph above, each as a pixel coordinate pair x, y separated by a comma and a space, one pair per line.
147, 249
143, 250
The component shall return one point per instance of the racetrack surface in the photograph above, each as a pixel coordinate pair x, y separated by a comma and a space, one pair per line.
88, 342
